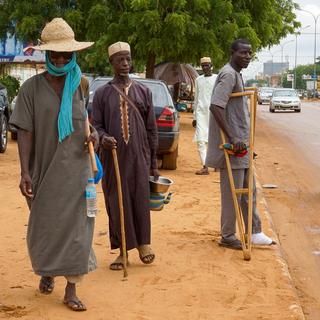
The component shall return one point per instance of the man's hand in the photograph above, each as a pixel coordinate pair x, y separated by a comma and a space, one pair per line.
194, 123
26, 186
155, 173
109, 142
239, 147
94, 138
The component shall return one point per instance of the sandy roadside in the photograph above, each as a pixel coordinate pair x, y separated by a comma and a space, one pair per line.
192, 278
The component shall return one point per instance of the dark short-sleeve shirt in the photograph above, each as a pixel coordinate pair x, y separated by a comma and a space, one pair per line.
237, 116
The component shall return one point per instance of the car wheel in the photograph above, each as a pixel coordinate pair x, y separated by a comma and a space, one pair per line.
297, 110
169, 161
271, 110
14, 135
3, 133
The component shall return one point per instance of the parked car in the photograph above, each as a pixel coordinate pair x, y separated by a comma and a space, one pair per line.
166, 117
4, 118
285, 99
264, 95
90, 77
13, 129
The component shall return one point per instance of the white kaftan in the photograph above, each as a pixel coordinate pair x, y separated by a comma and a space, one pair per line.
202, 100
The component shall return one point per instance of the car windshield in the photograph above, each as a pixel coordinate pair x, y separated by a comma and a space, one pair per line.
159, 96
285, 93
266, 91
96, 84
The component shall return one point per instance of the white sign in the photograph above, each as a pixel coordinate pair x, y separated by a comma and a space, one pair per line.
306, 77
310, 85
290, 77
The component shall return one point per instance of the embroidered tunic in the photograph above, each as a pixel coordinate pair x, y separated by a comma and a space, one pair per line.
137, 143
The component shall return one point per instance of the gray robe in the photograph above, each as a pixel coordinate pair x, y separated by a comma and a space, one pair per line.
237, 115
59, 234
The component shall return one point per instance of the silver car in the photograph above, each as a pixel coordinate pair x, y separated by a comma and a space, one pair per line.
264, 95
285, 99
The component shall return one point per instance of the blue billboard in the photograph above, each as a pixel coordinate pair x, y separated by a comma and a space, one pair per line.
12, 50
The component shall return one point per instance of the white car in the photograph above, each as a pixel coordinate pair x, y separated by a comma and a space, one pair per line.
285, 99
264, 95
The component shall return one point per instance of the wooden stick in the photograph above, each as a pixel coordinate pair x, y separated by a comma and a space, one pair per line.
250, 183
237, 209
121, 212
255, 91
91, 149
245, 238
241, 94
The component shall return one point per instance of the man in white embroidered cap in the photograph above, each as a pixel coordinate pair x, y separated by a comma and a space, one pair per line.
201, 110
123, 114
50, 116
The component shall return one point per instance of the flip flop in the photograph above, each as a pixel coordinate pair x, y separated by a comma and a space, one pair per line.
46, 285
75, 305
146, 254
202, 172
117, 264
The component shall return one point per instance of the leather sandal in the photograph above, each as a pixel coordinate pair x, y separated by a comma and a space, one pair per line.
46, 285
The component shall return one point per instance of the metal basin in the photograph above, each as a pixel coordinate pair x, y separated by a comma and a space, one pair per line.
161, 185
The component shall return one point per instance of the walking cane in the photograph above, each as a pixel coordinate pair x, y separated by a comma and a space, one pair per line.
244, 238
120, 199
91, 150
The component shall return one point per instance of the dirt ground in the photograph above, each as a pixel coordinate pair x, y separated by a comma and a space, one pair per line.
192, 277
294, 205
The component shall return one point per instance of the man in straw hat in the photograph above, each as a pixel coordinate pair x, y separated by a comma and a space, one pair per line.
232, 116
124, 117
203, 90
50, 116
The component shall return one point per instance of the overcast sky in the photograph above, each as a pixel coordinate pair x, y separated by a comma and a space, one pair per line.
305, 42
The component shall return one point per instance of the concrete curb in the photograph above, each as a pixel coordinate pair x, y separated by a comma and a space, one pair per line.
296, 308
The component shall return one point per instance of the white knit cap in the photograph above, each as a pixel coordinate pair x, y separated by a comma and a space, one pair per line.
205, 60
117, 47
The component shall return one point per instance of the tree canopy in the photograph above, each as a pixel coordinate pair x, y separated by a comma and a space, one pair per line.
300, 71
157, 30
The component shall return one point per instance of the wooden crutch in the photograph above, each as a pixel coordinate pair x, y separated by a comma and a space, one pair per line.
244, 238
120, 199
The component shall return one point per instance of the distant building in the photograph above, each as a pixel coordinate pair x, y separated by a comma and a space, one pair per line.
19, 61
271, 68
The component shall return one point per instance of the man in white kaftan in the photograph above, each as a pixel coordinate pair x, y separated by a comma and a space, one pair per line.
203, 90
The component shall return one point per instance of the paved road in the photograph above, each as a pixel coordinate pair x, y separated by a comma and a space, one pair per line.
292, 161
302, 129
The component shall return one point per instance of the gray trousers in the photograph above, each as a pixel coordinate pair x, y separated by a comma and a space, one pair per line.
228, 215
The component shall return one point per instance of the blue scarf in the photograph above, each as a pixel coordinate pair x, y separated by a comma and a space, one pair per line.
73, 78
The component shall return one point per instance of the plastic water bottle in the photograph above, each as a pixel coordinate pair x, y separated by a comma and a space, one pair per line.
91, 198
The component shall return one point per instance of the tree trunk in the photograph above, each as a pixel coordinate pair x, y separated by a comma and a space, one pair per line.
176, 92
150, 66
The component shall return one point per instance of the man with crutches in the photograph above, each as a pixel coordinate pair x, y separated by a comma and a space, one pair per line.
231, 120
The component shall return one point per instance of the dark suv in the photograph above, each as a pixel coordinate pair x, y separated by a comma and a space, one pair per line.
4, 118
166, 117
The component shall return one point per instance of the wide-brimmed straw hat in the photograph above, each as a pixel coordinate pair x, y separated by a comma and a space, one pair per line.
57, 35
